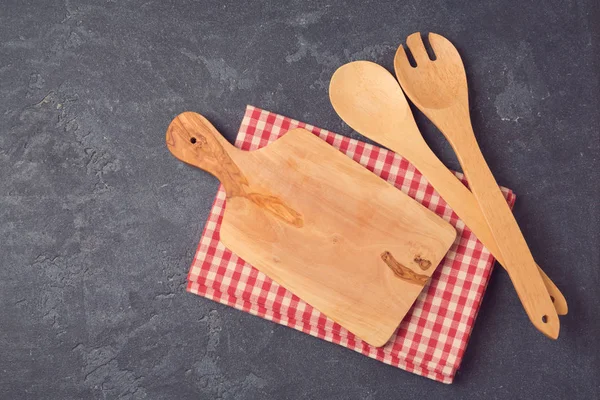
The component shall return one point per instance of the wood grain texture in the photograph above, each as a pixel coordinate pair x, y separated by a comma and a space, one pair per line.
439, 89
319, 224
401, 271
368, 98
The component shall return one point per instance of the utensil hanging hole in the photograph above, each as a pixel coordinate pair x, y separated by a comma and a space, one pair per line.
545, 319
552, 298
193, 140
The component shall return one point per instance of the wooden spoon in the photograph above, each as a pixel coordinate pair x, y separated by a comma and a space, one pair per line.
369, 99
439, 89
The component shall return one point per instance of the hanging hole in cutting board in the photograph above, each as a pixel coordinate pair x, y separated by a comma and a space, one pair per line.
193, 140
545, 319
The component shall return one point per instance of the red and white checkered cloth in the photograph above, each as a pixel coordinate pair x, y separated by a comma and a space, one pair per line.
431, 339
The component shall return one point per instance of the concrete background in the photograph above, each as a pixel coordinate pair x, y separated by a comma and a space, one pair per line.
98, 222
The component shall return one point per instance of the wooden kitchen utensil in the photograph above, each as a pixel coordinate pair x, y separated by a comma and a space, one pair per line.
341, 238
368, 98
439, 89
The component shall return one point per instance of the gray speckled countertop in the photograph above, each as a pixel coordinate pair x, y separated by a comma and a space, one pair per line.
99, 223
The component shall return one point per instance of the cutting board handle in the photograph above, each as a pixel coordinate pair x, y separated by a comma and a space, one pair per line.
195, 141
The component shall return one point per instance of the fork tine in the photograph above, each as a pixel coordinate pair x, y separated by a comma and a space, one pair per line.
417, 48
401, 59
442, 47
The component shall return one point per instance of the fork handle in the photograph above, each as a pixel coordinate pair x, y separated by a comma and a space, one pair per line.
462, 201
518, 261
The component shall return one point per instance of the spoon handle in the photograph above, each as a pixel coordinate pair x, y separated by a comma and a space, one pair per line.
464, 204
518, 260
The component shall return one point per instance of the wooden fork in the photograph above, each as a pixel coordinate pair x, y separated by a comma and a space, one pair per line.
439, 89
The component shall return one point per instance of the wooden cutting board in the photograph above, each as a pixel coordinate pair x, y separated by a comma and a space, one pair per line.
322, 226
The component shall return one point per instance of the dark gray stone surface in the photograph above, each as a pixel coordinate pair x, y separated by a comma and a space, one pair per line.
98, 222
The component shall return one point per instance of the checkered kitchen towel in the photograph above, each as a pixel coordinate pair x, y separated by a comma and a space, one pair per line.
431, 339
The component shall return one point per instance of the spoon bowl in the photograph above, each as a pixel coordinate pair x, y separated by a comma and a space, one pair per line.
368, 98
